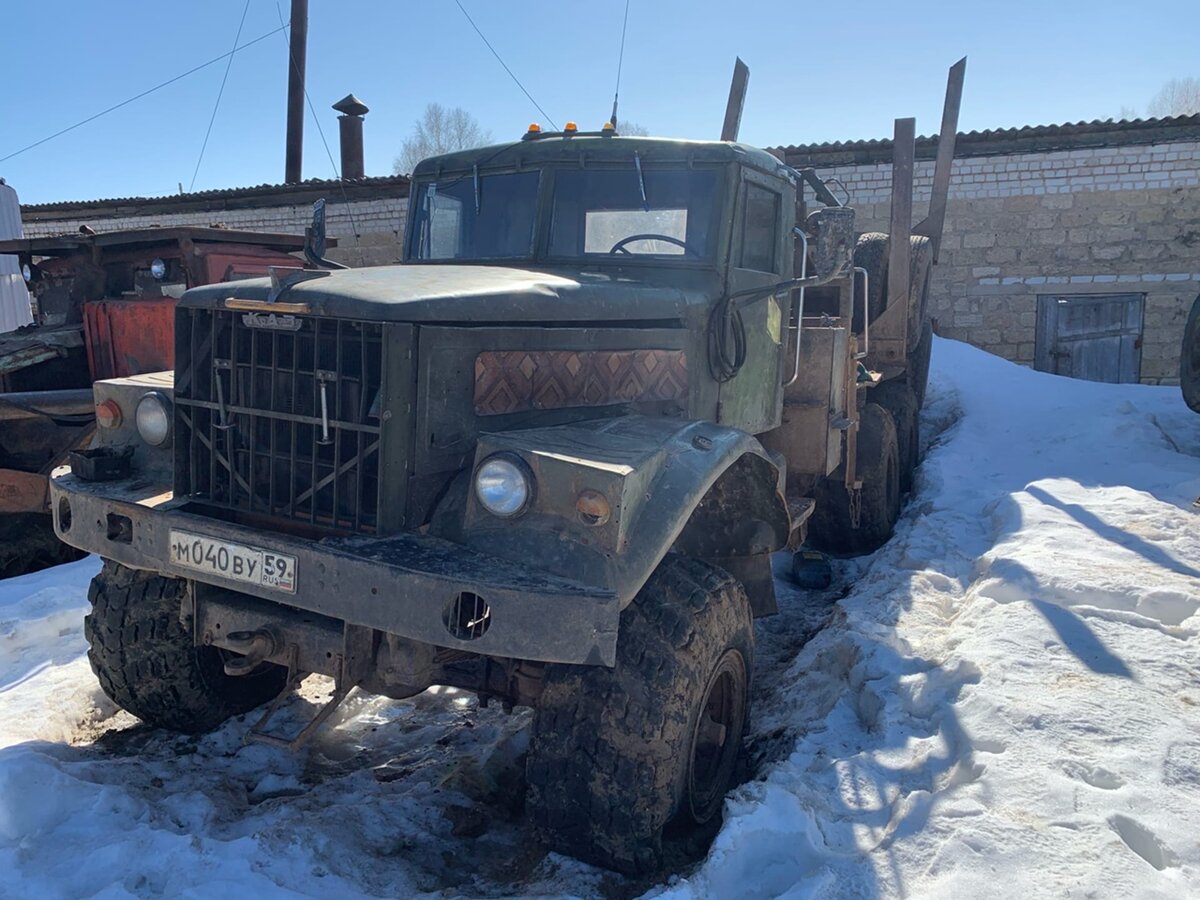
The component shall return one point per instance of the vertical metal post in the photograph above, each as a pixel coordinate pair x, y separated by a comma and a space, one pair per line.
298, 52
901, 222
933, 224
737, 99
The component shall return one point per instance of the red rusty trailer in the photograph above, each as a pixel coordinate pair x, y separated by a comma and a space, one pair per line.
104, 307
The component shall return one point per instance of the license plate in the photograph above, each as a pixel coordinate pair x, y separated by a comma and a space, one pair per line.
234, 561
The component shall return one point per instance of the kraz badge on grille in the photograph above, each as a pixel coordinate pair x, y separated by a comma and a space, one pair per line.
285, 322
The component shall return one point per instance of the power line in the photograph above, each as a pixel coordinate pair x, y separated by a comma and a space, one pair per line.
144, 93
228, 65
506, 68
620, 62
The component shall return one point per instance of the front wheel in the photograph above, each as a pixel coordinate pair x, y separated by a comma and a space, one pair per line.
147, 663
618, 755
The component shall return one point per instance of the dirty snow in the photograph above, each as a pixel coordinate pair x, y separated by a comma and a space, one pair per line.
1004, 700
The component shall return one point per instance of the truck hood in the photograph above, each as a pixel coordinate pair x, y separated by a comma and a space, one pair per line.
477, 294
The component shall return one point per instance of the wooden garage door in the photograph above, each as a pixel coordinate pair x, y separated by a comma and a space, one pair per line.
1097, 337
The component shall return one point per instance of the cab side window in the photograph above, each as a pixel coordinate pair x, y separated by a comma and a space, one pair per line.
760, 221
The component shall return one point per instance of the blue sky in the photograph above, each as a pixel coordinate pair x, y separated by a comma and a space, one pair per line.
1030, 63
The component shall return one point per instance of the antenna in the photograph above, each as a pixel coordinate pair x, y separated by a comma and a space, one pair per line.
620, 62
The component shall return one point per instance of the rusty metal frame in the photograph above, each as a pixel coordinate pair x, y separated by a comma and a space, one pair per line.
931, 226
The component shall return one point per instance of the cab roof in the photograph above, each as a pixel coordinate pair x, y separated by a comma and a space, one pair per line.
598, 148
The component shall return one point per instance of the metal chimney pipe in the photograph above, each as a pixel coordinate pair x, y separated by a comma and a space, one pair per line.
298, 52
350, 124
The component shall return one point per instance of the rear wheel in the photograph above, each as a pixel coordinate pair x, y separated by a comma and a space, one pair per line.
1189, 359
148, 664
618, 755
918, 363
832, 527
897, 397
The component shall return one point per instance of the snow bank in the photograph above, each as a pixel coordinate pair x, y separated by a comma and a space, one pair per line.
1006, 701
1010, 701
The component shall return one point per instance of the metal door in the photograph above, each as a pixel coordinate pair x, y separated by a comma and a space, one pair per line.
1096, 337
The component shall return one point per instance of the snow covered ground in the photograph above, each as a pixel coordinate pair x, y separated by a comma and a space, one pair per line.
1004, 701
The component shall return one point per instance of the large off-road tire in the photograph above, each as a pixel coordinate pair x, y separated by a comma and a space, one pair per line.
918, 363
871, 253
898, 398
148, 665
619, 754
831, 527
920, 276
1189, 359
28, 543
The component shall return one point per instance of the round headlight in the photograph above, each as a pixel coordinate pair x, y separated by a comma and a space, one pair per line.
503, 486
154, 418
158, 269
27, 273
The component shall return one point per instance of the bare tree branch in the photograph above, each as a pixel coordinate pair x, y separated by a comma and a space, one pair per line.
1178, 97
439, 130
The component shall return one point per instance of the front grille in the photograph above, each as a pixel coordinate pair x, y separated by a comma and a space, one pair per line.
279, 416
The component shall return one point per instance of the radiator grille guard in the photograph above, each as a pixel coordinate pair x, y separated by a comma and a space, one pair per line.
280, 419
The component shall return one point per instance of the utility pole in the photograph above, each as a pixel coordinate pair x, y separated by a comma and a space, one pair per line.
298, 51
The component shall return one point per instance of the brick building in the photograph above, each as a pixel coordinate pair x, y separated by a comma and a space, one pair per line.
1064, 245
1074, 248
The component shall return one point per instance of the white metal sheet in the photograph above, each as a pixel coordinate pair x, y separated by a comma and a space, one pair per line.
15, 308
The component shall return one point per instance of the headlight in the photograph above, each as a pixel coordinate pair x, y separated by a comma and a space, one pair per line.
503, 485
154, 418
27, 273
158, 269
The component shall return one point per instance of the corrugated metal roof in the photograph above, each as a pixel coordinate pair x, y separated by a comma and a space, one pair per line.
1005, 141
15, 308
217, 197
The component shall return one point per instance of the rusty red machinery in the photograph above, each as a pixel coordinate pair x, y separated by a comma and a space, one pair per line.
104, 306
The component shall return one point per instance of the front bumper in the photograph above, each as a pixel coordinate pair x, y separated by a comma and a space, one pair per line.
403, 584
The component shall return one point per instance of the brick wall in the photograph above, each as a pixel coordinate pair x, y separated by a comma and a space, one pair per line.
1087, 221
368, 231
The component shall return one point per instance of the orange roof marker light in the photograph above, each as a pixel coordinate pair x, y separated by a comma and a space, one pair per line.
570, 128
534, 128
608, 126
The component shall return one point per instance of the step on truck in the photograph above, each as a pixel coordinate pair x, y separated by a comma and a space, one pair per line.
547, 459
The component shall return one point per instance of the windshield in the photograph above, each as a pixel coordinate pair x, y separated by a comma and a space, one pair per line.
468, 217
634, 211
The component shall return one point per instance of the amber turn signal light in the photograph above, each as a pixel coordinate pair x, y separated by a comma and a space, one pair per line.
593, 507
108, 414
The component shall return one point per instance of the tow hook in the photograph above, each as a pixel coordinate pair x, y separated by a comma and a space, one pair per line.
255, 647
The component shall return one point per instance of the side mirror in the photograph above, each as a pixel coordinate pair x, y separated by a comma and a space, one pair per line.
315, 241
830, 232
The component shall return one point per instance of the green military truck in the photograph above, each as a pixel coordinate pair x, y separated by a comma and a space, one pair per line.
547, 460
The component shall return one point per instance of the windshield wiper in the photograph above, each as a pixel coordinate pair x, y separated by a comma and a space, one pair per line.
637, 163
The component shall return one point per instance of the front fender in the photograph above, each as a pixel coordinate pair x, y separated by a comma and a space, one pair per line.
696, 487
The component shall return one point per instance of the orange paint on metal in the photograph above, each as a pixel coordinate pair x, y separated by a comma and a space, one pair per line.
23, 492
267, 306
129, 337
